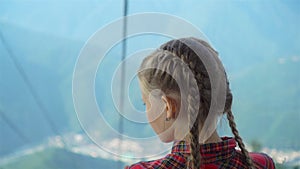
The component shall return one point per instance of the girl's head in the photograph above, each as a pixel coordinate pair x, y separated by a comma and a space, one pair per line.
158, 77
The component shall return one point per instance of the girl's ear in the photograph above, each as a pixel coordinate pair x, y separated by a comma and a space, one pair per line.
169, 106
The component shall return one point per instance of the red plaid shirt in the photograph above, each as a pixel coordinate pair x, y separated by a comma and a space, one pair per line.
213, 155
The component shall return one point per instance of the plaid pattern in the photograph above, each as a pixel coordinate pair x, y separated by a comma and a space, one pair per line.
213, 155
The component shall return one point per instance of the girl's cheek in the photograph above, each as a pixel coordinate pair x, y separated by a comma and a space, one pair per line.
154, 112
154, 122
150, 115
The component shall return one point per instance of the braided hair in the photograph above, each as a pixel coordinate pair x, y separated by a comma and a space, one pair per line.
165, 57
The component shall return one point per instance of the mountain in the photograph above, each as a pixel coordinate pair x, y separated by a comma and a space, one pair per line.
56, 158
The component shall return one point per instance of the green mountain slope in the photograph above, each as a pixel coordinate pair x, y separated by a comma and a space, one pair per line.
54, 158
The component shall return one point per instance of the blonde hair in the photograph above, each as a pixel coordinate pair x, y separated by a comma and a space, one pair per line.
166, 59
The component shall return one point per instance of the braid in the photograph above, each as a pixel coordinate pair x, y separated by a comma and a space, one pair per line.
195, 147
195, 156
200, 74
237, 137
193, 114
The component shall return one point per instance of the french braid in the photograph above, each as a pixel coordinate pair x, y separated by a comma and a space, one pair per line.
179, 49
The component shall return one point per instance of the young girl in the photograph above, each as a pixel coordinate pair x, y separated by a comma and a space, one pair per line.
158, 77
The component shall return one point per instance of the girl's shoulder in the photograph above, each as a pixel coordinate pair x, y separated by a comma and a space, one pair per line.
262, 160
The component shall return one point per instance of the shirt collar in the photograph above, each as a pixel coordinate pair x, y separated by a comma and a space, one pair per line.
210, 152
